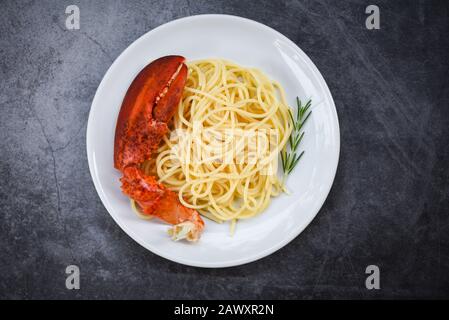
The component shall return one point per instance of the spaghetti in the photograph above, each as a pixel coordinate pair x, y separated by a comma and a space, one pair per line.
222, 155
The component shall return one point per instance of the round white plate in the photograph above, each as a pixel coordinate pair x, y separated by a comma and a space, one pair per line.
248, 43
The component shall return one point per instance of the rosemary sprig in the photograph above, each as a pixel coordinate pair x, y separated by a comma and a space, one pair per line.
290, 158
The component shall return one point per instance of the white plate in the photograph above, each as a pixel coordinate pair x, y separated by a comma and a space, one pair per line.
248, 43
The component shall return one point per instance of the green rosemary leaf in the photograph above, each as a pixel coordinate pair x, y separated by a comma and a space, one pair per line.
289, 155
296, 161
283, 158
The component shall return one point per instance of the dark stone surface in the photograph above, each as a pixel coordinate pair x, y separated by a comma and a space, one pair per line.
388, 206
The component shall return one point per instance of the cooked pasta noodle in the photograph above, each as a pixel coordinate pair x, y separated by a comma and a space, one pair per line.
222, 155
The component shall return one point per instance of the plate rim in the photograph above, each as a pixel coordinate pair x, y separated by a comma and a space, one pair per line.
230, 263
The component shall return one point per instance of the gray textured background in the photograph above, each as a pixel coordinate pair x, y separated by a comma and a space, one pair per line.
388, 206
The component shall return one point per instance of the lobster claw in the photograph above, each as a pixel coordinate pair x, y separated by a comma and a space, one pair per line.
149, 104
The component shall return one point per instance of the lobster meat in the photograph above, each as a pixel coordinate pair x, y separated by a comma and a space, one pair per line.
148, 106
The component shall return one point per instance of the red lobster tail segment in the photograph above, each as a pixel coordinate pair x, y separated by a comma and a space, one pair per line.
148, 106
